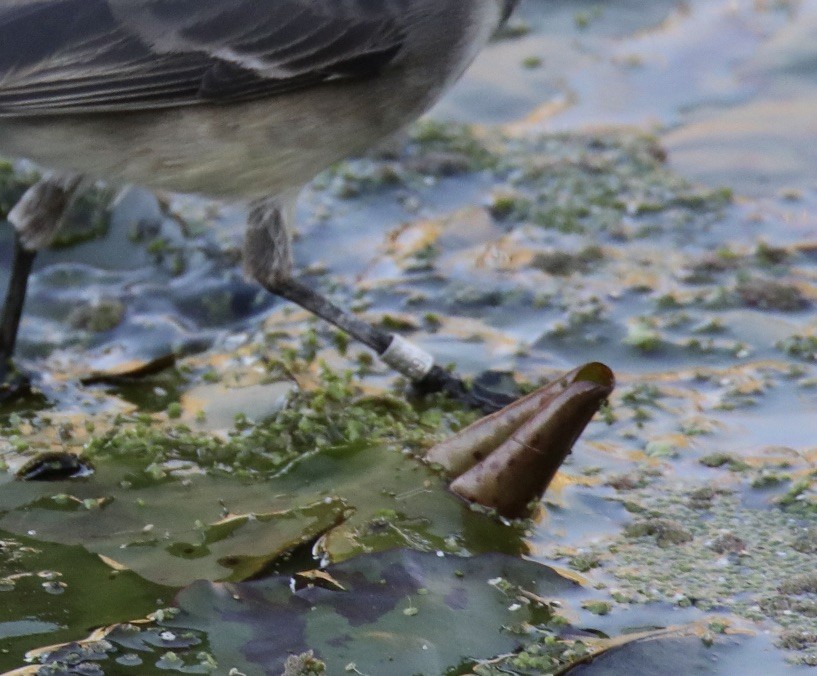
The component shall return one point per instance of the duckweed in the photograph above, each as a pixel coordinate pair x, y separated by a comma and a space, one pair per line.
333, 413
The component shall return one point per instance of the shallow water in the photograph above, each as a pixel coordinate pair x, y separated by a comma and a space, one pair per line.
729, 85
704, 306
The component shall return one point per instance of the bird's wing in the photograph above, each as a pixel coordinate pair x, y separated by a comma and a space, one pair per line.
60, 56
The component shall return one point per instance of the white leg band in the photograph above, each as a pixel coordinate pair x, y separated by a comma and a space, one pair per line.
408, 359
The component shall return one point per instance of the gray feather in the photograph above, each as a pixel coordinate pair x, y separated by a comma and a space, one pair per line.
59, 56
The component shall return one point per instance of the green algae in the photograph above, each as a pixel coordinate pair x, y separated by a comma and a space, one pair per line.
598, 607
569, 183
801, 498
333, 413
513, 29
723, 460
800, 346
97, 317
586, 185
665, 531
722, 561
563, 263
585, 562
431, 138
770, 294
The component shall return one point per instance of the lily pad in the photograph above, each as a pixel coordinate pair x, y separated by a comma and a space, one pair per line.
48, 591
173, 524
171, 530
402, 612
172, 521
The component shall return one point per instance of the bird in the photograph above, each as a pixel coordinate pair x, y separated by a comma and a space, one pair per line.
230, 99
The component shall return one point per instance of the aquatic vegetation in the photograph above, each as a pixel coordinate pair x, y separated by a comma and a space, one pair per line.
689, 499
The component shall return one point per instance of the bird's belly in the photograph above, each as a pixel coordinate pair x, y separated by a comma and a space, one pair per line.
261, 147
242, 150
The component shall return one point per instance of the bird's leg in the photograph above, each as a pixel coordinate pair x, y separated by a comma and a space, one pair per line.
268, 259
12, 383
36, 218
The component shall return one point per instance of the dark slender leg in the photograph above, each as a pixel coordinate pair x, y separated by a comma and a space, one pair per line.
302, 295
434, 380
12, 384
267, 258
36, 218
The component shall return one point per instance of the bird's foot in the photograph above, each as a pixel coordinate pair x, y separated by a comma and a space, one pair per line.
13, 384
479, 395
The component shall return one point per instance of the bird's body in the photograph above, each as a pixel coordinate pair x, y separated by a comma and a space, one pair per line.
227, 98
244, 98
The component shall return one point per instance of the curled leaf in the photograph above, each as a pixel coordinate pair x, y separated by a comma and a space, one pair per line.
54, 466
509, 458
464, 450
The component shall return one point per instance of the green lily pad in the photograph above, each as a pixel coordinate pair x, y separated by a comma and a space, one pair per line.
171, 522
49, 591
173, 525
170, 530
398, 503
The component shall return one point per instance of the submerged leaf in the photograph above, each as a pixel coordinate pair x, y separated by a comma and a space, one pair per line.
403, 612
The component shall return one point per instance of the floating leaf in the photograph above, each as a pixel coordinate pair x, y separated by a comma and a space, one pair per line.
119, 371
51, 590
54, 466
169, 530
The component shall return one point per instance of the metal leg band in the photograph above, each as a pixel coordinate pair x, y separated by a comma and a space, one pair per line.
406, 358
